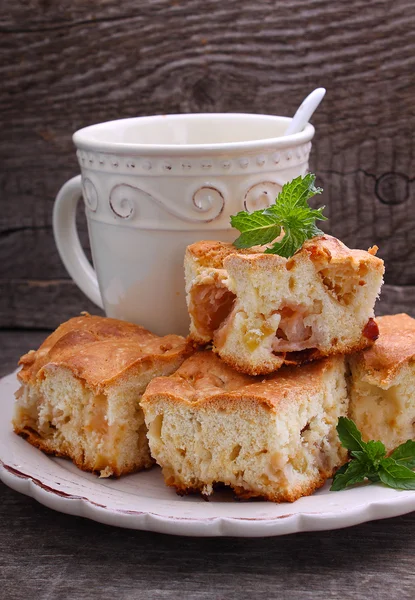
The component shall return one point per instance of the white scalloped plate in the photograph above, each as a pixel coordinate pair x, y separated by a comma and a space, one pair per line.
142, 501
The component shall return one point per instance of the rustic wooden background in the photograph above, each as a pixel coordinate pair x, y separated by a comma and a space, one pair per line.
69, 64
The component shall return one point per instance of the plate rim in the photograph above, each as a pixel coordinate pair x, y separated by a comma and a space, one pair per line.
82, 506
211, 526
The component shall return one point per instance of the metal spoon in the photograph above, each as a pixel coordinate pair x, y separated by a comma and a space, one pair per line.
305, 110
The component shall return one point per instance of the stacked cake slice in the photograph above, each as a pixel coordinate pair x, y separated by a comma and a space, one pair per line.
261, 311
246, 415
80, 392
272, 437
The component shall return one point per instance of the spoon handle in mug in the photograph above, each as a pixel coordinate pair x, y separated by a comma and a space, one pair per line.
67, 240
305, 111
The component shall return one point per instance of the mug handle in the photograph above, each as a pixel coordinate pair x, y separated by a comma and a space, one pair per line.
67, 240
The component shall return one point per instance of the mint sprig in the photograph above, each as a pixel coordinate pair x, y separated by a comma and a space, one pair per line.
405, 454
369, 461
290, 214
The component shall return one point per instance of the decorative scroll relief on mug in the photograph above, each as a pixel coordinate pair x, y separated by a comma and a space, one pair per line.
129, 202
121, 203
201, 204
261, 195
209, 201
171, 165
90, 194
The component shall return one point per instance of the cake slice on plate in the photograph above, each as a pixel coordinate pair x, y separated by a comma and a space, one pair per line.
262, 310
272, 437
80, 392
382, 390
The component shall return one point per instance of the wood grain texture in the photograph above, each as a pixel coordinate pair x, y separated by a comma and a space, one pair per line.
66, 65
39, 304
16, 343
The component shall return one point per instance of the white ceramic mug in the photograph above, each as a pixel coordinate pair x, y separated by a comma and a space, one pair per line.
153, 185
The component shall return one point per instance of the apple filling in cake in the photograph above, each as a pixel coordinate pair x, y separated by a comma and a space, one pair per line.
262, 310
210, 305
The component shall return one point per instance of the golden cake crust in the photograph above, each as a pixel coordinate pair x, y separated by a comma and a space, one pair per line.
205, 378
322, 248
33, 438
244, 494
213, 253
394, 347
100, 350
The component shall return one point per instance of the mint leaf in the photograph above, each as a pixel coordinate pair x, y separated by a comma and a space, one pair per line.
396, 476
362, 457
297, 192
375, 451
349, 435
405, 454
257, 228
290, 214
371, 466
369, 461
290, 243
351, 473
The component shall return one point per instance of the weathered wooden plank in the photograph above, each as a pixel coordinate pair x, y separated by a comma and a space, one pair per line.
264, 61
372, 561
40, 304
396, 299
65, 66
30, 251
15, 343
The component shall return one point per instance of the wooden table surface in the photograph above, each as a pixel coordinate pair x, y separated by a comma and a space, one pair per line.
51, 556
70, 64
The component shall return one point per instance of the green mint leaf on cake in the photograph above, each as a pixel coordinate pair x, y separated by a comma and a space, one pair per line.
349, 435
256, 228
368, 461
351, 473
290, 243
375, 451
396, 476
405, 454
290, 217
